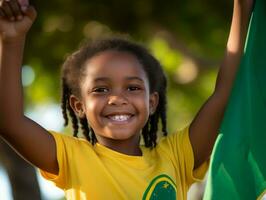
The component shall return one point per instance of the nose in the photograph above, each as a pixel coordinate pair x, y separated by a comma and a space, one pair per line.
117, 100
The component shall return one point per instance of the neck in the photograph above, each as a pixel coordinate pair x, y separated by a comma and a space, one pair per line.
128, 147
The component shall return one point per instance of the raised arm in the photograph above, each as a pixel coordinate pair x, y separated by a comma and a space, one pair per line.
30, 140
205, 126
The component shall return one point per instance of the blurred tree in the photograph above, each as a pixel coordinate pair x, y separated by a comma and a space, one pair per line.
21, 174
195, 30
188, 37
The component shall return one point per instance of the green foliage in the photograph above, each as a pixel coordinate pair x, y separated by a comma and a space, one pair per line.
200, 26
169, 58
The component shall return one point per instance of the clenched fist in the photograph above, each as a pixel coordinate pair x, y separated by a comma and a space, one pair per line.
16, 18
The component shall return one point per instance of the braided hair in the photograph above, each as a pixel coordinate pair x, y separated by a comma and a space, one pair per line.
75, 65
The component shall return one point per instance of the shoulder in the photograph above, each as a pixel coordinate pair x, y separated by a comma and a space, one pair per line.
178, 138
70, 152
176, 145
179, 149
66, 142
66, 137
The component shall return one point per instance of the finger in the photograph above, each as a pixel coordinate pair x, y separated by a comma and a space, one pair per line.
31, 13
15, 8
7, 10
24, 4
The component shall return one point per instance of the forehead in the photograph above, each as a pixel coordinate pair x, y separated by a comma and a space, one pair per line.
114, 64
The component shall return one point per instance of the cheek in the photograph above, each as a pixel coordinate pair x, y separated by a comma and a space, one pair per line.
93, 108
144, 116
143, 106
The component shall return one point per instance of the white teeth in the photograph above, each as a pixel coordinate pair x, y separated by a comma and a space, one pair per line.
120, 117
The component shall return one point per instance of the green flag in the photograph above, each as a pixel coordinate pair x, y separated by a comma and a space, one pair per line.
238, 166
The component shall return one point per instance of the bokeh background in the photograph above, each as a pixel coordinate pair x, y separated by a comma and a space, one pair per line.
188, 37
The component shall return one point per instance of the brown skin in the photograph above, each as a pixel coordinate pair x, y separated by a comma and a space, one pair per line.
37, 146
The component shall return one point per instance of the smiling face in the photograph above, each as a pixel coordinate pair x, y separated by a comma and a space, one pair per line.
115, 97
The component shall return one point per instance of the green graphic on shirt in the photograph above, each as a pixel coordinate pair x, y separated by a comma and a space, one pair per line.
161, 188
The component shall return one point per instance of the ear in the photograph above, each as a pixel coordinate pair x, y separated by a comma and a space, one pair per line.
154, 100
77, 106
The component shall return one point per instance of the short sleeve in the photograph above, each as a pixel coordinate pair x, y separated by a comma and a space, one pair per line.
62, 141
196, 174
179, 149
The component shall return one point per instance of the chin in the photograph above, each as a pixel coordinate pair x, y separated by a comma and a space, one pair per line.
120, 135
117, 136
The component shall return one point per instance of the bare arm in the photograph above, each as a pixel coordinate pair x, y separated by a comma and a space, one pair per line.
205, 126
30, 140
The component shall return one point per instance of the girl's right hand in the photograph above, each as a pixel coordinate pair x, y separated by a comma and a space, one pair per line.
15, 20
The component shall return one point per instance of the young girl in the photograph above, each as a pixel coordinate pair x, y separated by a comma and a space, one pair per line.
116, 91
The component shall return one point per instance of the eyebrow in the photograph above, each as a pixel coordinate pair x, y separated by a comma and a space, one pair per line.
127, 78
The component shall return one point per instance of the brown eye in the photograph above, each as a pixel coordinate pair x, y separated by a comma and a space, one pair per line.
133, 88
100, 90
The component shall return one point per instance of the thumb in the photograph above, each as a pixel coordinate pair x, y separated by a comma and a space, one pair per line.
30, 12
24, 2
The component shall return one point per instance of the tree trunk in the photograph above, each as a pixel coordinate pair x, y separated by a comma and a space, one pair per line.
21, 174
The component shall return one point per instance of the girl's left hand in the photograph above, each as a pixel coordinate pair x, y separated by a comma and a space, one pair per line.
247, 5
250, 4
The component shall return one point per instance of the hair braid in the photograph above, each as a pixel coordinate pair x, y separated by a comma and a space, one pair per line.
85, 128
74, 120
163, 116
153, 129
145, 133
162, 108
66, 107
64, 101
93, 136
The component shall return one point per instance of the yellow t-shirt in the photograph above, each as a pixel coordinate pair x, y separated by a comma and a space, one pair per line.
99, 173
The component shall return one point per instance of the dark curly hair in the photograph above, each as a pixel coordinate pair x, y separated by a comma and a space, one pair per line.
72, 70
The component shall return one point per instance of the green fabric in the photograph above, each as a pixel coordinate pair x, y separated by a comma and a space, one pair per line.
238, 166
